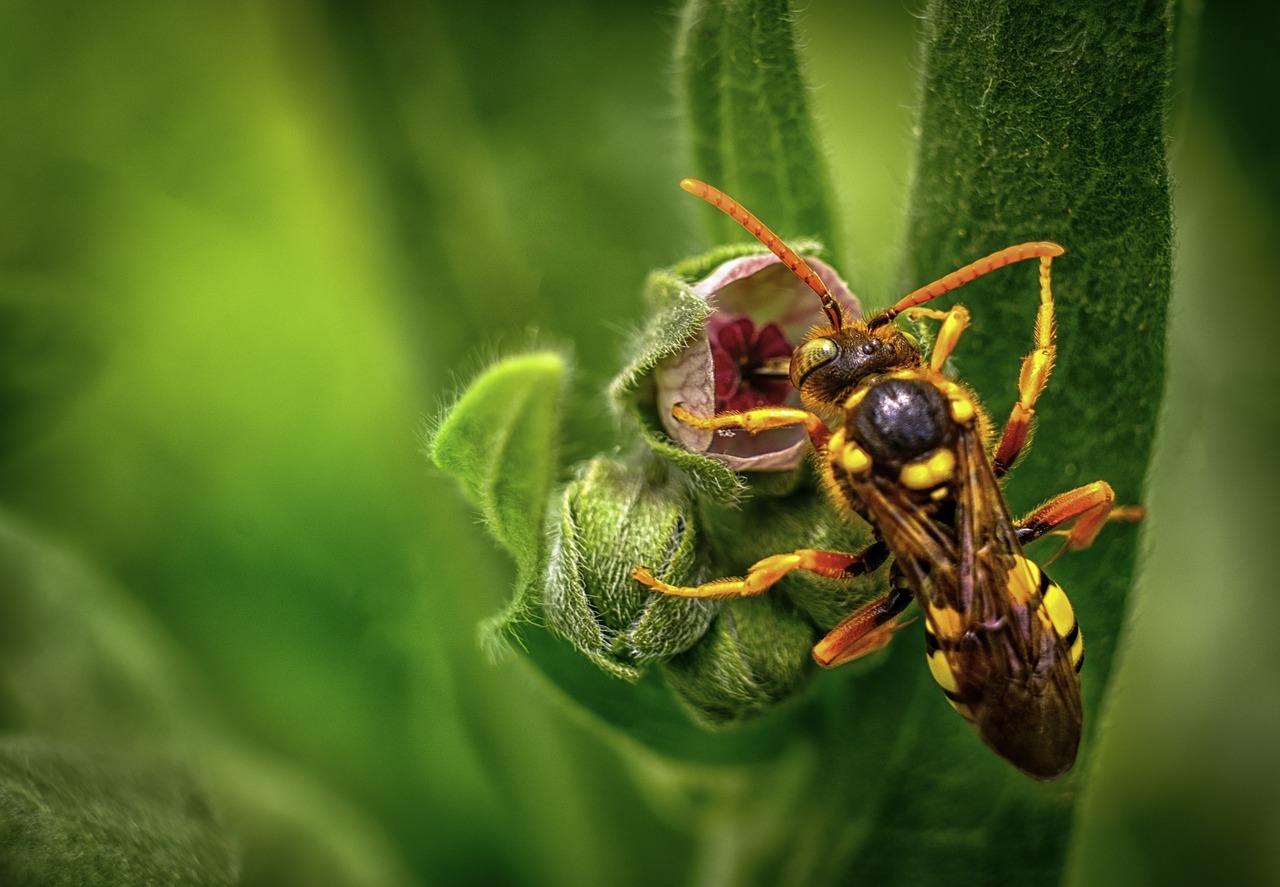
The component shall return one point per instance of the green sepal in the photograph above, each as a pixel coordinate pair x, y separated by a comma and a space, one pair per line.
71, 815
500, 440
755, 656
611, 519
697, 267
676, 316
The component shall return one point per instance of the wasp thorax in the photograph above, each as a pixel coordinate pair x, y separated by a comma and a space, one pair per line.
900, 419
826, 369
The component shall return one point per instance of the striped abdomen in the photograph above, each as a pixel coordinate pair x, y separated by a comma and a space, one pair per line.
1011, 667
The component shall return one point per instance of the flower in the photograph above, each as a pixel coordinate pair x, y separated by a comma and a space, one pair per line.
719, 337
759, 312
747, 364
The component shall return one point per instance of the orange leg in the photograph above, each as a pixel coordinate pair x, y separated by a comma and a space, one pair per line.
1089, 507
867, 629
759, 419
764, 574
1036, 367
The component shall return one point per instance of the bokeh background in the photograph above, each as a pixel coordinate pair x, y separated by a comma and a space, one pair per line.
248, 250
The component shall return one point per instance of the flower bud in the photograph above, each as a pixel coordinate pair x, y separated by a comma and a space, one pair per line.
611, 519
755, 655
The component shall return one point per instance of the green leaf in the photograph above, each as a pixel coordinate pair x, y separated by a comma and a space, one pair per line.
1037, 123
648, 713
71, 816
1068, 144
84, 666
746, 104
51, 343
499, 440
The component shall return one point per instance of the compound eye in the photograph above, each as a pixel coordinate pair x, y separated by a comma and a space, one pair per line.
810, 356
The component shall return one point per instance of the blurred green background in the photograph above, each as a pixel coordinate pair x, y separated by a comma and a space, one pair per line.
246, 251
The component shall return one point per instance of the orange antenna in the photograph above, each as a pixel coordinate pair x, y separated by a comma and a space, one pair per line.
1006, 256
761, 232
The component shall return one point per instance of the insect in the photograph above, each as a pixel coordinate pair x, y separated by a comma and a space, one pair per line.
910, 450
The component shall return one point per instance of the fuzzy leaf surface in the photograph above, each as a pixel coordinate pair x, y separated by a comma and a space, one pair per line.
1035, 125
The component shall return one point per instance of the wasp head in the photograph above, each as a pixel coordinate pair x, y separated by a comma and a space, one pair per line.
839, 356
833, 361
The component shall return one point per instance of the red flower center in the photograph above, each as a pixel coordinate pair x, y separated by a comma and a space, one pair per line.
750, 365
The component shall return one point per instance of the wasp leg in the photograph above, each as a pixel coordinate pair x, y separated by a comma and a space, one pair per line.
1036, 367
763, 574
954, 322
867, 629
759, 419
1089, 506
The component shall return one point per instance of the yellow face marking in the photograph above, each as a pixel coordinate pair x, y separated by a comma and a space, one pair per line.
854, 459
1077, 649
928, 473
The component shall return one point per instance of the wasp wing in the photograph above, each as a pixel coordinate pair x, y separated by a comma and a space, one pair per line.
1000, 633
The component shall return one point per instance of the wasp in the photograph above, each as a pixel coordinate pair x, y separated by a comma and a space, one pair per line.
911, 451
